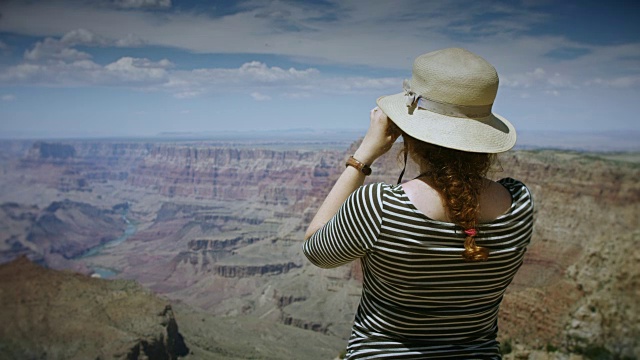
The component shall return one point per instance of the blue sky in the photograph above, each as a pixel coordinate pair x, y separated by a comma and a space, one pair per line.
72, 68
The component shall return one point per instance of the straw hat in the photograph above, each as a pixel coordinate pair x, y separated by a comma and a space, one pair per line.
448, 102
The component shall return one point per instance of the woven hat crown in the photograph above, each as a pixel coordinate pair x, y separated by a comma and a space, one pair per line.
449, 102
455, 76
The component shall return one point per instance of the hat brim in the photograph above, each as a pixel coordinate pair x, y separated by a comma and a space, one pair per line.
491, 134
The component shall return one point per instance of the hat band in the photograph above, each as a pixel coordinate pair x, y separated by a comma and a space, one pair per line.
414, 100
461, 111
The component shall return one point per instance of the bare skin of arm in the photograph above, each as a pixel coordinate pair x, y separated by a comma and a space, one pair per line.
376, 142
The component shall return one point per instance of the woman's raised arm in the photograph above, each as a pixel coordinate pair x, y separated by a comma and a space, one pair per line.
376, 142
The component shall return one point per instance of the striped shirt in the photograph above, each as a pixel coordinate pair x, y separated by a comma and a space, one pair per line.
420, 299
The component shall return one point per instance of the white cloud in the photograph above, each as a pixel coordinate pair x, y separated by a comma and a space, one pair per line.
8, 97
63, 48
186, 94
260, 97
128, 4
621, 82
132, 70
83, 37
356, 84
56, 62
560, 81
297, 95
381, 35
260, 72
126, 71
540, 80
129, 40
254, 78
251, 77
258, 78
87, 38
524, 80
54, 49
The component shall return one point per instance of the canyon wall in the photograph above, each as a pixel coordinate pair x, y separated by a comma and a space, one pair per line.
219, 227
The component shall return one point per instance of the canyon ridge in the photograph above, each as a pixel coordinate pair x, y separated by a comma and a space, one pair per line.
213, 229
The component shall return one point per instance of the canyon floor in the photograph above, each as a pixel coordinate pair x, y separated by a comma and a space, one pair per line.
214, 229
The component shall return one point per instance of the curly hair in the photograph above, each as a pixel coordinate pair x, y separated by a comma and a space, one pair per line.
458, 176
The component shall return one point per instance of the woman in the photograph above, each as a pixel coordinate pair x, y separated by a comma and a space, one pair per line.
437, 251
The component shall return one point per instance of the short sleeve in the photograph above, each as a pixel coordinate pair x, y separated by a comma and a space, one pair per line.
351, 233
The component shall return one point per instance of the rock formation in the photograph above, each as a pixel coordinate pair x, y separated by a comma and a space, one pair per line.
48, 314
58, 233
220, 229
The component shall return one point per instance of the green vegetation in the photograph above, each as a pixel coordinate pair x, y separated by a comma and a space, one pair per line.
599, 352
551, 348
505, 347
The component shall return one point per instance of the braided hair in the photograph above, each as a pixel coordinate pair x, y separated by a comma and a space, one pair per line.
458, 176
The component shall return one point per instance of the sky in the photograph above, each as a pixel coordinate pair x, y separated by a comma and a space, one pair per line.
105, 68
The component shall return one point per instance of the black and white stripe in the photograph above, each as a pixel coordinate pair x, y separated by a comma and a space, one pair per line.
420, 299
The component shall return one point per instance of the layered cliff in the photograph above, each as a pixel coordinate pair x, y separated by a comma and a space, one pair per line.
196, 170
57, 233
581, 273
256, 175
220, 228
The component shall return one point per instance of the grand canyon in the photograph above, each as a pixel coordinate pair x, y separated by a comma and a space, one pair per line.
190, 248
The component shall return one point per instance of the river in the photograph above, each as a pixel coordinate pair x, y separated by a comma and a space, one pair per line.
103, 272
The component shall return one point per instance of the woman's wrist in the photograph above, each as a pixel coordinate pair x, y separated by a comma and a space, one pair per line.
364, 157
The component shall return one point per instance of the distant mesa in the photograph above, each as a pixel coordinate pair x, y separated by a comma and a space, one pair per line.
55, 150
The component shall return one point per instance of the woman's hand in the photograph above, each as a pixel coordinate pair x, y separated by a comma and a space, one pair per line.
379, 139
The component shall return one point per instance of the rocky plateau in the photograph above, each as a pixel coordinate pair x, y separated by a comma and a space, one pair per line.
215, 229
